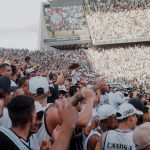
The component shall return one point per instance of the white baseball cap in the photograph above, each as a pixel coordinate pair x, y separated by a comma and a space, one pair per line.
62, 88
116, 99
141, 135
105, 111
38, 82
126, 110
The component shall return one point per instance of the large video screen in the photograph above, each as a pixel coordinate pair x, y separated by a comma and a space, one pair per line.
65, 18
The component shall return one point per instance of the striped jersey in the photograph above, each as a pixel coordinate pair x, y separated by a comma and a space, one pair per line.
118, 140
5, 120
92, 133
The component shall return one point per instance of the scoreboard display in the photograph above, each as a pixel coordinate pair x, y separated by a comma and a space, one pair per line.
56, 19
64, 15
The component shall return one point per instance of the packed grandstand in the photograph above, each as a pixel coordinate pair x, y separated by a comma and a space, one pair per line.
85, 98
118, 20
128, 64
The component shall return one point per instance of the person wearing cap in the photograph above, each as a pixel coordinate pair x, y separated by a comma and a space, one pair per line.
62, 91
107, 121
139, 105
39, 89
122, 137
6, 88
116, 99
141, 136
5, 85
22, 114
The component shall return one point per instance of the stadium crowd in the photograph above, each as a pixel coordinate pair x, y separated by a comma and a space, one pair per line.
83, 99
118, 20
125, 64
37, 93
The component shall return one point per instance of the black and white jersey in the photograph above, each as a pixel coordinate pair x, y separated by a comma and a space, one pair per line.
11, 141
6, 143
33, 142
5, 120
118, 140
92, 133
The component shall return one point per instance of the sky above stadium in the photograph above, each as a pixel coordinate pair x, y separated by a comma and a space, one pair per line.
19, 23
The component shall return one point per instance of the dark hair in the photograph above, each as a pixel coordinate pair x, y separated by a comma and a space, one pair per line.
20, 110
103, 121
4, 65
73, 90
74, 66
51, 75
2, 95
22, 81
14, 70
27, 58
121, 120
62, 92
69, 79
40, 91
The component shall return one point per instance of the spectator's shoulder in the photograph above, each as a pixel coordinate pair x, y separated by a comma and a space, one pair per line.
6, 143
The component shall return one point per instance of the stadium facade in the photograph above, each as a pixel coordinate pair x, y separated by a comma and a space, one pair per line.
65, 23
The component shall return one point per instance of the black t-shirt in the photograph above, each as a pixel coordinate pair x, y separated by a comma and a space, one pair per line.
6, 143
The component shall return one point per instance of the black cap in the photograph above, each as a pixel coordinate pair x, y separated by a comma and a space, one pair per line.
138, 104
5, 84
